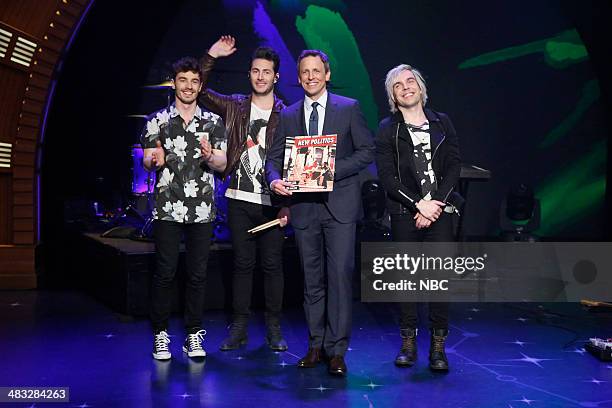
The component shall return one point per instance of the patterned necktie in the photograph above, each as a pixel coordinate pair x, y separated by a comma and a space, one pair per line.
313, 123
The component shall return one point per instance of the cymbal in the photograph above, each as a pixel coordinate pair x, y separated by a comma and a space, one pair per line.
161, 85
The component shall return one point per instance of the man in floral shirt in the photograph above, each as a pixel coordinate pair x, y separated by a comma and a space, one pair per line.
184, 145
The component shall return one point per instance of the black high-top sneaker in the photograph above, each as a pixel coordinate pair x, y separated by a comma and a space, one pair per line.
193, 344
160, 346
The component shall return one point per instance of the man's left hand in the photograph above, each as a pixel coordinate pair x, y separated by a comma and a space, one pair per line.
422, 221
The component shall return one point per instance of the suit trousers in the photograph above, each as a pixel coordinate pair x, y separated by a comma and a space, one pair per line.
327, 255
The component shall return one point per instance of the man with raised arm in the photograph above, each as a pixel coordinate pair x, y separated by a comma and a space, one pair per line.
251, 121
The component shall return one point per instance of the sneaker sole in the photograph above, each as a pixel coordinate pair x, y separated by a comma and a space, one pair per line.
201, 353
162, 356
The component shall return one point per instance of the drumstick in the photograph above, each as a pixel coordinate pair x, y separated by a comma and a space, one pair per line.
594, 303
264, 226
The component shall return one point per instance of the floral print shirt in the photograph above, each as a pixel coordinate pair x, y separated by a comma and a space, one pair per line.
184, 191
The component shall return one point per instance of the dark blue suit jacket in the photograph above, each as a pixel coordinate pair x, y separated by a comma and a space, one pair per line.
354, 152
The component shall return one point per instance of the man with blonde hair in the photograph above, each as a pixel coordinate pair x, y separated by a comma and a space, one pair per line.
417, 156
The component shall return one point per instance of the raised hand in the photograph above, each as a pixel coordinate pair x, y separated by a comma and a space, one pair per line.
226, 45
158, 156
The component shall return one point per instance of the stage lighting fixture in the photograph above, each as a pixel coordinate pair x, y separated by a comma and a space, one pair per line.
22, 49
5, 154
520, 214
373, 198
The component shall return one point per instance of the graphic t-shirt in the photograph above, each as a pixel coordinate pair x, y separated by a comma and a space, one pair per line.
247, 182
422, 159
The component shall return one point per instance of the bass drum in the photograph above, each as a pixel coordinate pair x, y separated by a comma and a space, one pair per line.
143, 181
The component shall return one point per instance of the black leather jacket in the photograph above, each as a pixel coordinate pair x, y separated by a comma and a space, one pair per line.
235, 111
396, 169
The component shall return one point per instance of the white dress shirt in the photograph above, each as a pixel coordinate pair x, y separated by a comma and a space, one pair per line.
322, 101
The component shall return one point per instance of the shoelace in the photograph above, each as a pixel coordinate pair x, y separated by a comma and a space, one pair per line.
195, 340
408, 343
161, 341
438, 344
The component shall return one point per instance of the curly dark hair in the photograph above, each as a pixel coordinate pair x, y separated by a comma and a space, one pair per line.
186, 64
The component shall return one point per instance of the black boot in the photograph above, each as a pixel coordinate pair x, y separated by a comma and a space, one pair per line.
274, 337
237, 336
408, 353
437, 353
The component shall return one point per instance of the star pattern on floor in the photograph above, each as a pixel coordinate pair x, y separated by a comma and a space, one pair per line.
594, 381
372, 385
539, 341
321, 388
525, 400
517, 342
532, 360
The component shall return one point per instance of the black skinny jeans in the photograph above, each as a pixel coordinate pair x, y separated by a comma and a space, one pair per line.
167, 236
242, 216
403, 229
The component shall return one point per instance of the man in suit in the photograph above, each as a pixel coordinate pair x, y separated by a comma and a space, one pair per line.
325, 223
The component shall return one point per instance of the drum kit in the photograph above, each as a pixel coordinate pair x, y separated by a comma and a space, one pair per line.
143, 189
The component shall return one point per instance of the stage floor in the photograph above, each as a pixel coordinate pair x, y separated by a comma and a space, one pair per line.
501, 355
